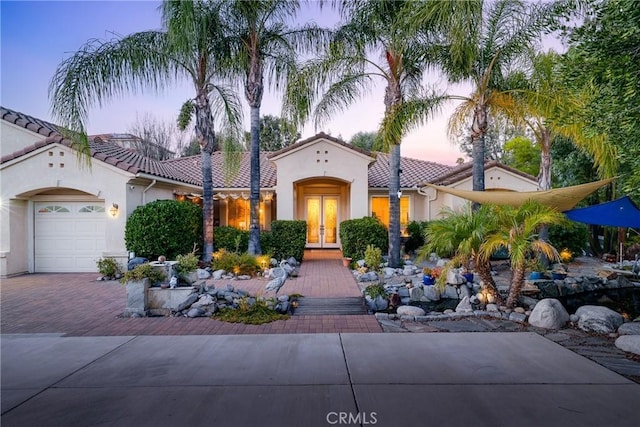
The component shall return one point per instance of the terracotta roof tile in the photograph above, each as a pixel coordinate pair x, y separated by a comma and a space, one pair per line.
414, 171
45, 129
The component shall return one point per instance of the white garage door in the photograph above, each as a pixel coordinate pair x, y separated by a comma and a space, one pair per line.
69, 236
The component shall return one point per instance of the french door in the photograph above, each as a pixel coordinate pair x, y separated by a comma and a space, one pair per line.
321, 213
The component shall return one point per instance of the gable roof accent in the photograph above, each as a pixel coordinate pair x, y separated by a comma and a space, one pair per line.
414, 171
38, 126
465, 170
315, 137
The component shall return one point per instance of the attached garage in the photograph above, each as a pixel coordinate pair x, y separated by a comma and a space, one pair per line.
68, 236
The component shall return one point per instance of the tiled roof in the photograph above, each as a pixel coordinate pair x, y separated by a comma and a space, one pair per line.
45, 129
465, 170
191, 167
188, 170
414, 171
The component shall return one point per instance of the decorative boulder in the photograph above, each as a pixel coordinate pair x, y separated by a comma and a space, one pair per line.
187, 302
410, 310
416, 294
205, 299
598, 319
203, 274
292, 261
389, 272
629, 343
195, 312
217, 275
549, 313
464, 306
630, 328
431, 293
134, 262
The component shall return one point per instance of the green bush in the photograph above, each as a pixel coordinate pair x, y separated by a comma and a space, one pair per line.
289, 238
356, 234
236, 263
230, 239
109, 267
186, 263
143, 271
373, 257
416, 230
266, 241
573, 236
164, 227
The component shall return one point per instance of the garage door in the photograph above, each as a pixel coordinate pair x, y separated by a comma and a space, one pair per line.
69, 236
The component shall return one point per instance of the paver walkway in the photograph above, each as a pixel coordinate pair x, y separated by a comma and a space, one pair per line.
78, 305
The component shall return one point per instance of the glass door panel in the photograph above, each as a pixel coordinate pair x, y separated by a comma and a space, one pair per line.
322, 221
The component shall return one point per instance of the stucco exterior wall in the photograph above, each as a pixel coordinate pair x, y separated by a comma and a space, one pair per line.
13, 238
322, 158
15, 138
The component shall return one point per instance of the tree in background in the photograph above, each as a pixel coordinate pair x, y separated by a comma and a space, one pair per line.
276, 133
189, 46
367, 141
520, 153
159, 140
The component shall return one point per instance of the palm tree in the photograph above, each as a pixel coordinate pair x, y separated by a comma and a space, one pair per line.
379, 41
499, 36
517, 230
462, 234
263, 43
190, 46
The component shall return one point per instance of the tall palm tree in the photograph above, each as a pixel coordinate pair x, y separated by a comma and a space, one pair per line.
379, 40
517, 230
462, 234
262, 42
499, 36
189, 46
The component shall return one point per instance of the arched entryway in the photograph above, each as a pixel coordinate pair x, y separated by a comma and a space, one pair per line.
323, 203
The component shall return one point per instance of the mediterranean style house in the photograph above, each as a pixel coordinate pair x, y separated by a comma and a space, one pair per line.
60, 214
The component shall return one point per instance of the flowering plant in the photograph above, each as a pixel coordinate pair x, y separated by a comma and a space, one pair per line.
436, 272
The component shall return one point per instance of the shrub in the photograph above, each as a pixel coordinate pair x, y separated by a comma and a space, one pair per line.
572, 236
252, 314
416, 230
289, 238
109, 267
230, 239
166, 227
375, 291
232, 262
373, 257
144, 271
356, 234
266, 241
187, 263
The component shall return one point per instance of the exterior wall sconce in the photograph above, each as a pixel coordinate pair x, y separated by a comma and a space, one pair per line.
113, 210
399, 194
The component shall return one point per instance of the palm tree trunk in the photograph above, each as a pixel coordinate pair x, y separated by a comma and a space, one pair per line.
253, 92
206, 137
254, 200
483, 268
394, 206
478, 132
517, 281
544, 181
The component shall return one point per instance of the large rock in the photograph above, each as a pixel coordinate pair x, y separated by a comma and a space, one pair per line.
403, 292
203, 300
134, 262
217, 275
548, 288
464, 306
416, 293
629, 343
137, 297
598, 319
187, 302
456, 292
431, 293
410, 310
203, 274
389, 272
630, 328
549, 314
195, 312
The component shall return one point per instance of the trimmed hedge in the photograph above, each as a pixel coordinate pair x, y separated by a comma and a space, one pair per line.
288, 238
356, 234
225, 237
164, 227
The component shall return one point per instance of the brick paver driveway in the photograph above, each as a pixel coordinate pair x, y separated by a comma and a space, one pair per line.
78, 305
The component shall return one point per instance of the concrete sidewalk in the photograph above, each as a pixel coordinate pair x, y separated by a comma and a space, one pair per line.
462, 379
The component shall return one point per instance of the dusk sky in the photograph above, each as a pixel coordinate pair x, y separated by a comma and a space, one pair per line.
37, 35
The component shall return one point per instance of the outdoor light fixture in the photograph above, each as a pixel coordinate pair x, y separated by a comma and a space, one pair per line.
113, 210
399, 194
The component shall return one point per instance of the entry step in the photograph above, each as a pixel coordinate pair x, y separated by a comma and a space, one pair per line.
330, 306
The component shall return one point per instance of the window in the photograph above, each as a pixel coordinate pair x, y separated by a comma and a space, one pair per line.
239, 214
56, 208
91, 209
380, 210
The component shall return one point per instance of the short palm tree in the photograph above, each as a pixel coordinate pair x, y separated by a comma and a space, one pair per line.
500, 35
462, 234
190, 46
262, 42
517, 231
378, 41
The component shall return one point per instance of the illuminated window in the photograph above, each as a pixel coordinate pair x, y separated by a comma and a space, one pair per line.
239, 214
380, 210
